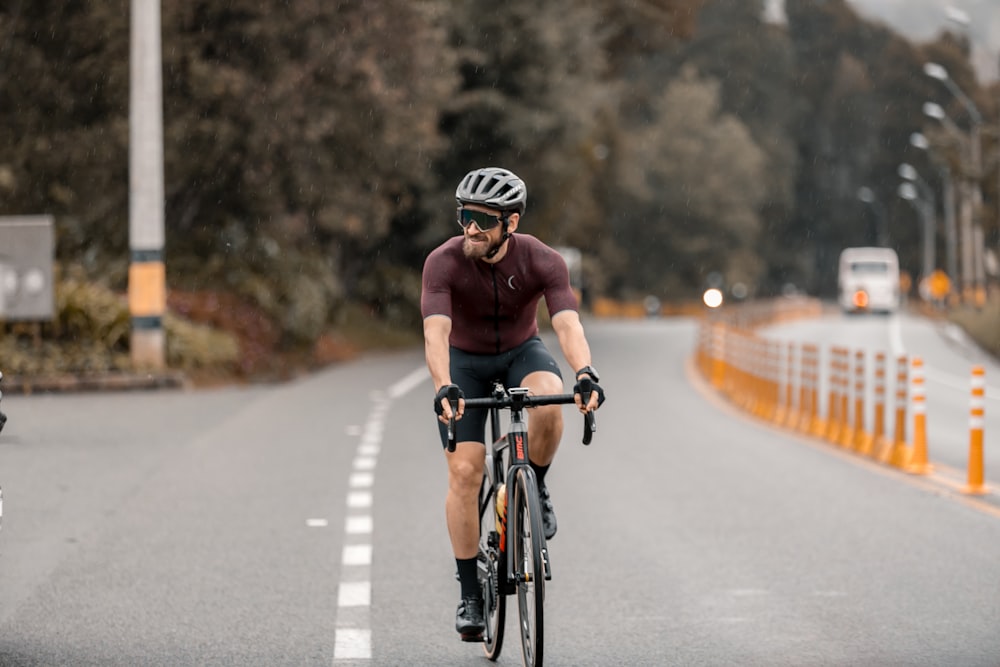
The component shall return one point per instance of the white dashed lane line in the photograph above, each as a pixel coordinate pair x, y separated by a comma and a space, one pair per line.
353, 639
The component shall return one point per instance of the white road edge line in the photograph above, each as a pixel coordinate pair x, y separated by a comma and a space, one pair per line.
353, 635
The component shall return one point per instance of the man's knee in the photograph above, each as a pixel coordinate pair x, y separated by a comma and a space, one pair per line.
465, 467
547, 419
543, 382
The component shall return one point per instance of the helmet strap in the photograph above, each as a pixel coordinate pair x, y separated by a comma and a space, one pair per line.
503, 239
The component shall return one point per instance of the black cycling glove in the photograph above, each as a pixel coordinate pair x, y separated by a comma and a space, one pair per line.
594, 387
443, 394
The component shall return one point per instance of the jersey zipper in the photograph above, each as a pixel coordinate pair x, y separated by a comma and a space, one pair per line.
496, 306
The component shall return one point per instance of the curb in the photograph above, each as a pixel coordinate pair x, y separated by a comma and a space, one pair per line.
59, 384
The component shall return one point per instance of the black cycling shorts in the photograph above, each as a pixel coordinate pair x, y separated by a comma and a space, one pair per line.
475, 373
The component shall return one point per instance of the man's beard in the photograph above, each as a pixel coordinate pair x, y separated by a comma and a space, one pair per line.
478, 250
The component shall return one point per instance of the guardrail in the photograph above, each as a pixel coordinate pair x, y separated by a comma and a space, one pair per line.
780, 382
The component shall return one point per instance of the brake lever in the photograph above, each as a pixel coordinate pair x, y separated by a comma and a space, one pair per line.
453, 395
589, 422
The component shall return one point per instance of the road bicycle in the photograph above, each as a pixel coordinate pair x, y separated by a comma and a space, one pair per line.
513, 556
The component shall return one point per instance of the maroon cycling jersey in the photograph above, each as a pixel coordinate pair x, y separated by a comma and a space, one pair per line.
492, 306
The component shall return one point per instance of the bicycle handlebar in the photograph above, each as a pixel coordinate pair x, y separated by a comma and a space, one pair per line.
507, 401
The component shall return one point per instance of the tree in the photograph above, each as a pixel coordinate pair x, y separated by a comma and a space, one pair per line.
316, 133
530, 100
691, 177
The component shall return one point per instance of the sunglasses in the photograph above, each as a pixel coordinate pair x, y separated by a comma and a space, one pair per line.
484, 221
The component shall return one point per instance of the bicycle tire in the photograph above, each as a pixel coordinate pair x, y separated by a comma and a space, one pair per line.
492, 572
528, 539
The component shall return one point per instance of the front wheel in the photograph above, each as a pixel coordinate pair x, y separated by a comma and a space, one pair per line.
529, 571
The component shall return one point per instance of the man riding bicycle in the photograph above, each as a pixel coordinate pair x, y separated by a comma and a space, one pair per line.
479, 300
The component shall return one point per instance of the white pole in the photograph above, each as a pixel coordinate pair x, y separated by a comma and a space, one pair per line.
147, 272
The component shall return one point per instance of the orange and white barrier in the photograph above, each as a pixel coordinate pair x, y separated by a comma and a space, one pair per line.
877, 442
918, 463
833, 416
977, 415
846, 438
781, 383
899, 455
862, 439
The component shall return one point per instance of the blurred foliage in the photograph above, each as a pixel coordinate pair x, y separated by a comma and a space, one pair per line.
90, 335
312, 148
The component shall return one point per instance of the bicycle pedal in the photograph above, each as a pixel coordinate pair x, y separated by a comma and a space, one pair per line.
476, 638
546, 568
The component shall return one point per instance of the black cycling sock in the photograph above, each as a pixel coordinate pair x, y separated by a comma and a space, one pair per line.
540, 473
468, 576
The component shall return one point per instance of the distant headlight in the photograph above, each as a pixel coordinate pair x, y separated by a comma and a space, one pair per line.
712, 297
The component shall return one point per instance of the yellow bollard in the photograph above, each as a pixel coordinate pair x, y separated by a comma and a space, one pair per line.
900, 455
816, 424
862, 439
804, 397
808, 394
919, 464
878, 443
846, 428
718, 345
833, 404
976, 420
791, 416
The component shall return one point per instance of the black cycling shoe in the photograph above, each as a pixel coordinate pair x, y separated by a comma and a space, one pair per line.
469, 619
548, 513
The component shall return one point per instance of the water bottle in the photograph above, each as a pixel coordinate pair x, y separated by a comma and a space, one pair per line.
501, 506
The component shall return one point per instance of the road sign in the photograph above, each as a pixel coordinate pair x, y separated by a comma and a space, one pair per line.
27, 291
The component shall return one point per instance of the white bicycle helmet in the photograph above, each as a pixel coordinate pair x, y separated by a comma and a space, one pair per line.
493, 187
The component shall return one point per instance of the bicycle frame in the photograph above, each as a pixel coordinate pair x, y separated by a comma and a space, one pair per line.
515, 443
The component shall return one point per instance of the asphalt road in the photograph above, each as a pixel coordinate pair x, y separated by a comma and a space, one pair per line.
303, 524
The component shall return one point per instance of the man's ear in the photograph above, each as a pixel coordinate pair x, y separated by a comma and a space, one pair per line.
512, 221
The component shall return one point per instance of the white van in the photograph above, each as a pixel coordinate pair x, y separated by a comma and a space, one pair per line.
868, 280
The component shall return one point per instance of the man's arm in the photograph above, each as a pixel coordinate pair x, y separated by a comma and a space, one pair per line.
574, 346
437, 328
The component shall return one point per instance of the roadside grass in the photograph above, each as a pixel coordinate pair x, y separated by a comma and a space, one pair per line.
982, 324
358, 330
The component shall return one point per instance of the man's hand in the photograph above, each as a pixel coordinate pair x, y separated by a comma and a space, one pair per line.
596, 395
442, 406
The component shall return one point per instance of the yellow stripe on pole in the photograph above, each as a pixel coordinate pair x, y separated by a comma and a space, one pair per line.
147, 289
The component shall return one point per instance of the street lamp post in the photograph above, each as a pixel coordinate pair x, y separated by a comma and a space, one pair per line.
918, 140
974, 287
934, 110
866, 195
917, 192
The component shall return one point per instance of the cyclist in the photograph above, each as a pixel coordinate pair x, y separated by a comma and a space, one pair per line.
479, 299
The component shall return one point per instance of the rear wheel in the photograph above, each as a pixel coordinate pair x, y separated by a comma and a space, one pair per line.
528, 565
492, 571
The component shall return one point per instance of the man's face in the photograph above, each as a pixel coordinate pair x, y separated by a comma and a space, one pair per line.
477, 243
